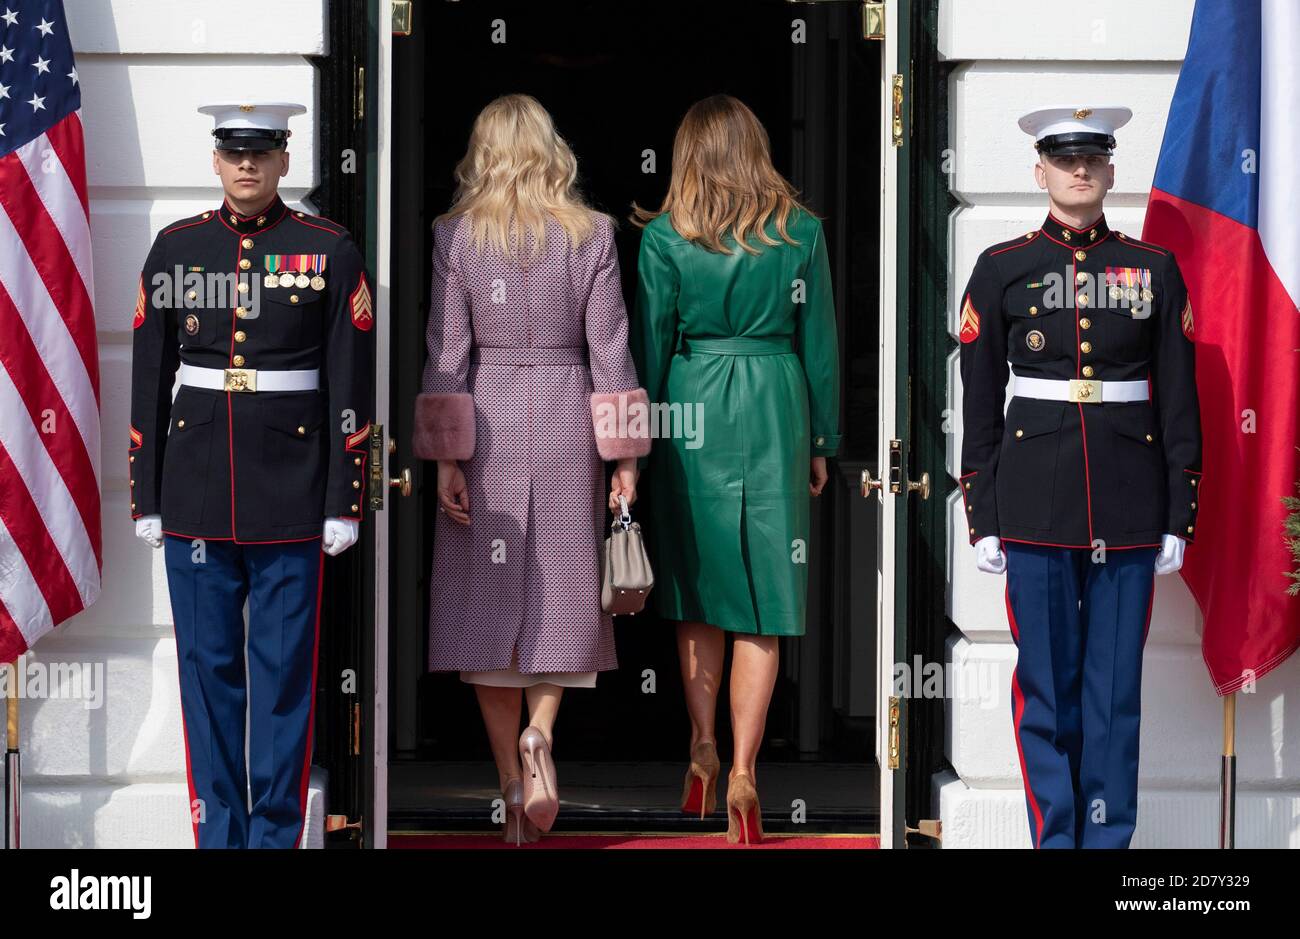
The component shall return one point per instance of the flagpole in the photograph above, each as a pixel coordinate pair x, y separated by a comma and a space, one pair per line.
1228, 775
13, 764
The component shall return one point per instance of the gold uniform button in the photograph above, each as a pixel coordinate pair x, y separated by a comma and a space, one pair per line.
241, 312
238, 361
1081, 278
356, 460
242, 287
1082, 299
972, 531
354, 507
1020, 433
355, 484
1085, 347
301, 430
1150, 438
133, 458
820, 441
1033, 311
968, 485
1193, 505
133, 505
293, 298
1085, 323
247, 243
1189, 529
245, 264
133, 484
180, 423
240, 336
970, 508
1087, 371
1193, 482
206, 214
1081, 255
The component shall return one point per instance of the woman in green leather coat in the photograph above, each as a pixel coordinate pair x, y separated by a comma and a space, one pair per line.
735, 332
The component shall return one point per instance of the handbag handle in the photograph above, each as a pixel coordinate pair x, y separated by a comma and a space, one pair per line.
625, 516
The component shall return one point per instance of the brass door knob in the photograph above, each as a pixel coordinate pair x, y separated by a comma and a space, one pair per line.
923, 487
869, 482
401, 483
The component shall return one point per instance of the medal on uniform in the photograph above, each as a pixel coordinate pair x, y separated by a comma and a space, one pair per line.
286, 279
318, 283
301, 281
192, 324
1035, 340
1117, 293
270, 280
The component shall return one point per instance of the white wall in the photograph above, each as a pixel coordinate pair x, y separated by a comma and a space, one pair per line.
114, 776
1016, 55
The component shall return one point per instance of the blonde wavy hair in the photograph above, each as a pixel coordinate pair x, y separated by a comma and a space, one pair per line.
517, 173
723, 180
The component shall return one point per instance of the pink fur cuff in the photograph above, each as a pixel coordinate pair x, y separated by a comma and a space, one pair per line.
444, 426
621, 420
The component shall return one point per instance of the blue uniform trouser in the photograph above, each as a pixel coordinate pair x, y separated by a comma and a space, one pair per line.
209, 582
1076, 690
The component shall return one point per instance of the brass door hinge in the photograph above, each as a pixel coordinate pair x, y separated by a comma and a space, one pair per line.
359, 99
895, 709
356, 728
898, 111
873, 19
340, 822
376, 485
931, 828
402, 14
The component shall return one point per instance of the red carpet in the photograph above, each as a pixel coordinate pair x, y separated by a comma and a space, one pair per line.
580, 840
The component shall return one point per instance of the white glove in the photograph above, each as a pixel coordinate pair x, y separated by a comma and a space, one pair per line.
1170, 557
339, 535
988, 555
148, 528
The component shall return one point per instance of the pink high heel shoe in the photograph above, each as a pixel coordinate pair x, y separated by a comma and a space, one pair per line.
518, 828
541, 803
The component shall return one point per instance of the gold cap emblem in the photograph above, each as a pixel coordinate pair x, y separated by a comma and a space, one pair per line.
1082, 113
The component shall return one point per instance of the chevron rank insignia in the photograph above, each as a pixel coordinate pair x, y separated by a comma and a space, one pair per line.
138, 321
970, 322
1187, 320
363, 316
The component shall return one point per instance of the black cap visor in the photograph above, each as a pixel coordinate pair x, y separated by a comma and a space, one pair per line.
1076, 144
249, 138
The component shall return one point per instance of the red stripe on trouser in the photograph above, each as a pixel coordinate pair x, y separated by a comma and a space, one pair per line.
311, 711
66, 447
29, 532
1019, 712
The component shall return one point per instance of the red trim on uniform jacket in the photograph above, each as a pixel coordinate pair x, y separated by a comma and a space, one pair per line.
298, 217
175, 228
1033, 236
311, 710
137, 442
350, 445
1087, 547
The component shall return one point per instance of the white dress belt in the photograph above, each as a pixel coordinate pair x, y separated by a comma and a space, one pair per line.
250, 379
1066, 389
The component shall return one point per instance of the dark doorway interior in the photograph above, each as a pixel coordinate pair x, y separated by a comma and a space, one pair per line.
617, 78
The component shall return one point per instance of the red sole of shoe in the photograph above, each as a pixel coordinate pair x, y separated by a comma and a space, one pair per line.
695, 798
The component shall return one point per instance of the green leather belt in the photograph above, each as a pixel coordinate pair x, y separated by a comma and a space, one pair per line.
740, 345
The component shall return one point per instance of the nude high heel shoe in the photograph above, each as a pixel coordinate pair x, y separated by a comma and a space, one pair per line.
541, 801
518, 827
744, 817
700, 790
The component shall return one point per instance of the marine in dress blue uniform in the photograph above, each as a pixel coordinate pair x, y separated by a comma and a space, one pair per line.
1084, 485
252, 473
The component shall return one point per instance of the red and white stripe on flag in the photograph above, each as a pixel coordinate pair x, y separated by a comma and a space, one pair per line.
50, 544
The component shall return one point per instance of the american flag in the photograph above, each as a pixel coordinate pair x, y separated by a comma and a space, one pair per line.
50, 550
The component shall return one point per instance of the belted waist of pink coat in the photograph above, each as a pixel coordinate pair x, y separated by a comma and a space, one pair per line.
536, 355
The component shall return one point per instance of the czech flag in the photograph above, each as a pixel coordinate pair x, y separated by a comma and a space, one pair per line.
1227, 202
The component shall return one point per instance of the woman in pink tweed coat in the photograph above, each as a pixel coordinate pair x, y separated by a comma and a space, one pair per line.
528, 362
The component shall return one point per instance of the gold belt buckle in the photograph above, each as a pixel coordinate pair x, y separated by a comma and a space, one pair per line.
241, 379
1085, 391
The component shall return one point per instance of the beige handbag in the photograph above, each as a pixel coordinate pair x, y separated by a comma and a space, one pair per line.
627, 576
